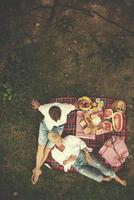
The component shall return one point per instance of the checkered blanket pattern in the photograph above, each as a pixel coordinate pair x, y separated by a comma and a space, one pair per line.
70, 128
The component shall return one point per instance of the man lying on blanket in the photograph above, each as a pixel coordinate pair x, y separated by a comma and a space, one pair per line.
72, 151
55, 116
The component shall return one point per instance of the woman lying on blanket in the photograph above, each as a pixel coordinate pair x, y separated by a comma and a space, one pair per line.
72, 151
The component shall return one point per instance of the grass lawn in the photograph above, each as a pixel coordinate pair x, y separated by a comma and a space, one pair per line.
52, 49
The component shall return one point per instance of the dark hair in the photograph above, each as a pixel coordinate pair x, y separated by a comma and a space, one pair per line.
55, 113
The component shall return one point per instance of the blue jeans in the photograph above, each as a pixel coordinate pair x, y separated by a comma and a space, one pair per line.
94, 170
43, 134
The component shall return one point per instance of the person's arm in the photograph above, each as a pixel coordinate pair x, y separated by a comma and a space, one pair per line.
87, 155
75, 141
46, 152
83, 147
42, 154
44, 109
70, 159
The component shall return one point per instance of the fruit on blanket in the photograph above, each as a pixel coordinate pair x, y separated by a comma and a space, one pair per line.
107, 126
85, 103
117, 121
108, 114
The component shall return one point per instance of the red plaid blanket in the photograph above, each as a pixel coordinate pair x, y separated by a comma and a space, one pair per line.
70, 128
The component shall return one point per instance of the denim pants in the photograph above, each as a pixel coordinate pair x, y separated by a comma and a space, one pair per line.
94, 170
43, 134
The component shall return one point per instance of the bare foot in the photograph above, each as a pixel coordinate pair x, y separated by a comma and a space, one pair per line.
107, 178
123, 182
120, 180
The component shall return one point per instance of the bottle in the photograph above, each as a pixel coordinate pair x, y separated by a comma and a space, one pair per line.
97, 100
101, 104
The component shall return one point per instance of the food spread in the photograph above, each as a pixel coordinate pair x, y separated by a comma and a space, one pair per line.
99, 120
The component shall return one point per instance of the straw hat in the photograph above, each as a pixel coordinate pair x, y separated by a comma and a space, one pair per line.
85, 98
119, 105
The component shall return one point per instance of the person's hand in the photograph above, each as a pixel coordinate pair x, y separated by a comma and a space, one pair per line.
35, 175
65, 162
70, 159
35, 104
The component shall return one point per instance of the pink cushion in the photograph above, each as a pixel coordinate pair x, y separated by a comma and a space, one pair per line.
114, 151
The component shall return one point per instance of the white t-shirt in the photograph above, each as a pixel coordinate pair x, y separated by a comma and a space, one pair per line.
73, 145
65, 110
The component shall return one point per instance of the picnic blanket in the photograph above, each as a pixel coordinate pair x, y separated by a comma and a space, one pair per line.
70, 129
